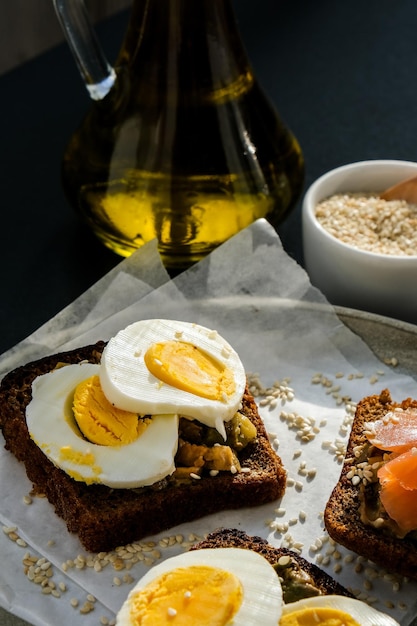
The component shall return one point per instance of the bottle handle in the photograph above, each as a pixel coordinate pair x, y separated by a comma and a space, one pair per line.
97, 73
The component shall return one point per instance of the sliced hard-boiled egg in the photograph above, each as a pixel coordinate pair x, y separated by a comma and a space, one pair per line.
211, 587
51, 424
165, 366
102, 422
333, 610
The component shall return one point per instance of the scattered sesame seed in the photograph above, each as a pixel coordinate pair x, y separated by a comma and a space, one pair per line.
46, 590
87, 607
279, 391
127, 578
21, 542
393, 361
226, 352
281, 511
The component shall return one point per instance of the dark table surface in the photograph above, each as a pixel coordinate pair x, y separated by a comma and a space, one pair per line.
341, 74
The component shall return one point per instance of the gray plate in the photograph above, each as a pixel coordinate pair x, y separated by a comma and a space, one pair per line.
385, 336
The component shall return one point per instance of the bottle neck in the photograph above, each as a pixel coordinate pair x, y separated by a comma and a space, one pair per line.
186, 46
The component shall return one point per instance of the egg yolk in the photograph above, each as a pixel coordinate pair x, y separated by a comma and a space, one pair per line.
188, 596
101, 422
186, 367
326, 616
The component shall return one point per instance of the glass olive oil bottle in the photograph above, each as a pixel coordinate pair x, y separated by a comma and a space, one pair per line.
184, 147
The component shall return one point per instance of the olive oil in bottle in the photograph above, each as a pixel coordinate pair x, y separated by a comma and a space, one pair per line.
185, 147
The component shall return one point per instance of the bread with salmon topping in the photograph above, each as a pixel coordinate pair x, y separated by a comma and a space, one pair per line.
354, 515
104, 517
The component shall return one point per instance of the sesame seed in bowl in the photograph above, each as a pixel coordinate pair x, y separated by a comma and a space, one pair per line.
361, 250
368, 222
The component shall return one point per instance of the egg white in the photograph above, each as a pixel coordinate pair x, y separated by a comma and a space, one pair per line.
51, 425
129, 385
360, 611
262, 592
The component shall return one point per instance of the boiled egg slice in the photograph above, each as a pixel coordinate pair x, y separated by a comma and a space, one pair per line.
333, 610
52, 426
164, 366
219, 586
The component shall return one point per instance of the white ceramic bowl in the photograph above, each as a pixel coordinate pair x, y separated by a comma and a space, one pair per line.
348, 276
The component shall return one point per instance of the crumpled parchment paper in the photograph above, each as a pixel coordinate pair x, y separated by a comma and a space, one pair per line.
262, 302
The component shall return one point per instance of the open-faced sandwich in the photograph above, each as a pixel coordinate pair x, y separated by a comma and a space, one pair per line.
232, 578
373, 508
151, 430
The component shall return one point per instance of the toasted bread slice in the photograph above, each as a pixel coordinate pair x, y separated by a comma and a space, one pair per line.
299, 577
347, 520
105, 518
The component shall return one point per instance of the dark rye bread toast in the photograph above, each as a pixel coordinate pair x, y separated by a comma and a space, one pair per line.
299, 578
343, 519
104, 518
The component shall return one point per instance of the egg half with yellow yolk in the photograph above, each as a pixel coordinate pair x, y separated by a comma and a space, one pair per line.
333, 610
211, 587
164, 366
134, 454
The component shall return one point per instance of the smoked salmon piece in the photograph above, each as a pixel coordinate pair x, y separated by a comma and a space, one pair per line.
402, 468
396, 431
399, 502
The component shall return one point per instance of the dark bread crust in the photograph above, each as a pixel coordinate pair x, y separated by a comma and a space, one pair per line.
342, 513
233, 538
105, 518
